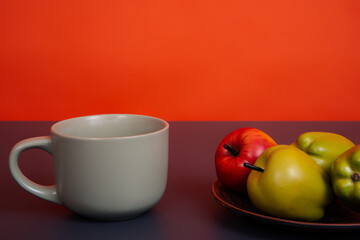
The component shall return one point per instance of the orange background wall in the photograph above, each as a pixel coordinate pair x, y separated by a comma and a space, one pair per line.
180, 59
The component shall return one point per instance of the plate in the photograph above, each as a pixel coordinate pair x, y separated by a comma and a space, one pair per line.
337, 216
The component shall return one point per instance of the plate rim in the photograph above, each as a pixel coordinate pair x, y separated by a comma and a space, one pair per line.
282, 221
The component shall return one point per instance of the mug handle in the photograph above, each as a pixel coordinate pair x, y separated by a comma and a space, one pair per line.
45, 192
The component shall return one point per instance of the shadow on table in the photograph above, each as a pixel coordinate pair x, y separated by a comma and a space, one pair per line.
232, 222
44, 220
146, 226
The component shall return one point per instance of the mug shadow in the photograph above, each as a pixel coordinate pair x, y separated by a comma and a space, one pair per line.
147, 225
49, 218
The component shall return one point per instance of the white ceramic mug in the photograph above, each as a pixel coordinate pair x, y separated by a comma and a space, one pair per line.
106, 167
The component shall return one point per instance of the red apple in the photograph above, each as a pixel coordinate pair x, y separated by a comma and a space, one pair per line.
243, 145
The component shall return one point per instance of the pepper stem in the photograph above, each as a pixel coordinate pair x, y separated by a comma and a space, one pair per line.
355, 177
247, 165
252, 167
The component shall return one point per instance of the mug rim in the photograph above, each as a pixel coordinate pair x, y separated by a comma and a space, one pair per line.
53, 131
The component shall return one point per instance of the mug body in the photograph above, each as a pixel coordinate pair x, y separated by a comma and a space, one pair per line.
110, 167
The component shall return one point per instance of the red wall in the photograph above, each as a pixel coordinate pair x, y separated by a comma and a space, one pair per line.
180, 60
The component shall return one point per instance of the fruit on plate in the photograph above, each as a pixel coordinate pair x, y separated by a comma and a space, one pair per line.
243, 145
345, 177
323, 147
291, 186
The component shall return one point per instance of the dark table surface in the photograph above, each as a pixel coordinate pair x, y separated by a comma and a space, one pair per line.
187, 209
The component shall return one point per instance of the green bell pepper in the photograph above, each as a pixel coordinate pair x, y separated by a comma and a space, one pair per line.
323, 147
291, 185
345, 177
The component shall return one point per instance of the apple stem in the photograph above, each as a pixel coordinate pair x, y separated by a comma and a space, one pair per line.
252, 167
247, 165
230, 149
